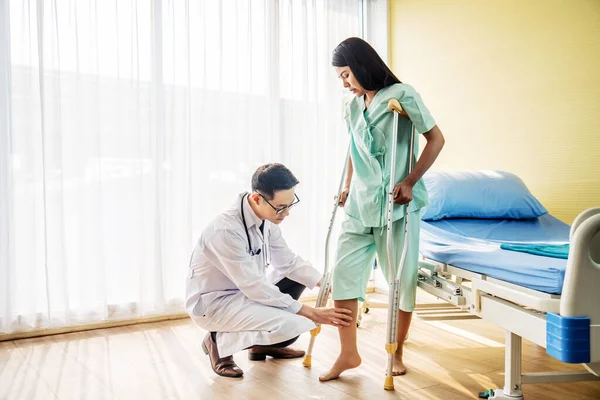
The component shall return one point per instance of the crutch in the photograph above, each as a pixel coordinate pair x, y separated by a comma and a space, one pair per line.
394, 280
325, 288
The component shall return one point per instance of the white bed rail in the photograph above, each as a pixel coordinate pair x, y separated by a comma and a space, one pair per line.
581, 288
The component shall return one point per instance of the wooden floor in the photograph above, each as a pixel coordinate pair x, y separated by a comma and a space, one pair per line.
450, 355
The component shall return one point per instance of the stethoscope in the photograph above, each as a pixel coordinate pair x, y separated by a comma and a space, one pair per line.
251, 251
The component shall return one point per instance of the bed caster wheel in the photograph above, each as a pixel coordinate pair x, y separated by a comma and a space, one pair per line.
486, 394
497, 394
367, 310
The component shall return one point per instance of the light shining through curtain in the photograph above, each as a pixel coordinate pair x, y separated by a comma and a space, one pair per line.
128, 125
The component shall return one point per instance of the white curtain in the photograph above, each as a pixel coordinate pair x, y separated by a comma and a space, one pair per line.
127, 125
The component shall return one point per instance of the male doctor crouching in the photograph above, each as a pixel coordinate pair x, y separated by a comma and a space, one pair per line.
244, 281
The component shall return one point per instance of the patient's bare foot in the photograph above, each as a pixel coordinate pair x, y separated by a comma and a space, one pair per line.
343, 363
398, 367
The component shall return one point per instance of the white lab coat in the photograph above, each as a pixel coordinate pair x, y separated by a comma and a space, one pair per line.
232, 293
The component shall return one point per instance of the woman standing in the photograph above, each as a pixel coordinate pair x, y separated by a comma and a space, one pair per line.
364, 235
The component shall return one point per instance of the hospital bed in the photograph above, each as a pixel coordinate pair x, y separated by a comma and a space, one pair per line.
549, 301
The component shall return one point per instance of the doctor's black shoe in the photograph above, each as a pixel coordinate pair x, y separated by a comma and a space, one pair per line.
222, 366
261, 353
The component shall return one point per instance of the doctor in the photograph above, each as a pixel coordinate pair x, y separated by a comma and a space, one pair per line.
244, 281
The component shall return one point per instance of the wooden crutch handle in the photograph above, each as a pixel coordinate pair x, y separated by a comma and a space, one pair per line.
394, 106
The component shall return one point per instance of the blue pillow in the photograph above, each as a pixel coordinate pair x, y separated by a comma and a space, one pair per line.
479, 194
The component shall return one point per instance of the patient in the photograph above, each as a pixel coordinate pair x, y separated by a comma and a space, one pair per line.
364, 234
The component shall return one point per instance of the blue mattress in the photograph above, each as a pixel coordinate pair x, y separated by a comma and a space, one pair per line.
474, 245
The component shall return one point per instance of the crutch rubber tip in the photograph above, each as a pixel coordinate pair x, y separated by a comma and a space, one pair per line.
307, 361
389, 383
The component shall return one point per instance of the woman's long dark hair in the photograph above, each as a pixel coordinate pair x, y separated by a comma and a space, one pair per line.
364, 62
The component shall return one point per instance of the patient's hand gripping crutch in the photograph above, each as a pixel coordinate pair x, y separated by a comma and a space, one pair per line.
325, 288
394, 279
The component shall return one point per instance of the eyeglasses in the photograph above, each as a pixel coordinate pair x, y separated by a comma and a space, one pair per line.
282, 209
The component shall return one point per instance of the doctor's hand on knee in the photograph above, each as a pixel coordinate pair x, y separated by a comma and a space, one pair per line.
327, 316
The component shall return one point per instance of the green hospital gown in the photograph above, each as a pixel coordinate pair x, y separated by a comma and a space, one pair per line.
364, 230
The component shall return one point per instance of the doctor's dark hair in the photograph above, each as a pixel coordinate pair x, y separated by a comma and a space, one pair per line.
271, 178
367, 67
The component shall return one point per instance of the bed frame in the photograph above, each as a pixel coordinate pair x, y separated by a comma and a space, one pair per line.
567, 325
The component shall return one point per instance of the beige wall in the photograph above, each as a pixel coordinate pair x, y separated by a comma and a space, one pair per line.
514, 85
